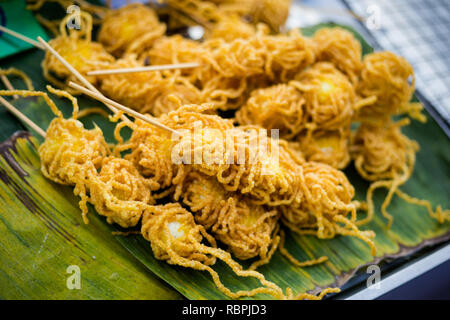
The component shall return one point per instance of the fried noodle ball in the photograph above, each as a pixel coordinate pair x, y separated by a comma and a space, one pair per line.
339, 46
120, 193
389, 80
130, 29
329, 96
277, 107
326, 146
78, 50
385, 156
177, 239
247, 229
325, 205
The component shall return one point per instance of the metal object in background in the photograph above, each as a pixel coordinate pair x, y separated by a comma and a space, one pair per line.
405, 274
417, 30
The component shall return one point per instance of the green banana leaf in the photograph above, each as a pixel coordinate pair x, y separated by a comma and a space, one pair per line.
42, 235
412, 229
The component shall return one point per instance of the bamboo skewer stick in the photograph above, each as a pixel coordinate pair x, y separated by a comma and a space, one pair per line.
42, 44
22, 117
129, 111
21, 37
8, 84
16, 112
112, 71
144, 69
74, 71
98, 95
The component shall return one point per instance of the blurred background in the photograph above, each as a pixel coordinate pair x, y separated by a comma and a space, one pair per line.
416, 29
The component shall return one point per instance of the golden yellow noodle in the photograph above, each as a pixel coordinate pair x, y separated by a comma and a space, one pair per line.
120, 193
77, 48
231, 27
275, 57
147, 92
326, 146
70, 154
272, 12
248, 230
326, 203
287, 54
231, 69
130, 29
390, 80
20, 74
205, 197
294, 261
384, 155
151, 150
339, 46
267, 178
174, 49
329, 96
277, 107
176, 238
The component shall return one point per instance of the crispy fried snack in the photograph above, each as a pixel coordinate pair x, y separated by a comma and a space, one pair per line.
120, 193
286, 54
383, 152
153, 150
70, 154
205, 197
177, 239
387, 83
174, 49
248, 230
339, 46
147, 92
79, 50
329, 96
130, 29
326, 146
231, 69
231, 27
209, 13
267, 178
385, 156
326, 203
277, 107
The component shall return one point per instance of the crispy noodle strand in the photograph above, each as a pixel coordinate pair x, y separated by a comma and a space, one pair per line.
130, 29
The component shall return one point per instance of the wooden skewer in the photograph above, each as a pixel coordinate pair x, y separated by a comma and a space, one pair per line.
102, 98
21, 37
22, 117
112, 105
16, 112
144, 69
42, 44
8, 84
74, 71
